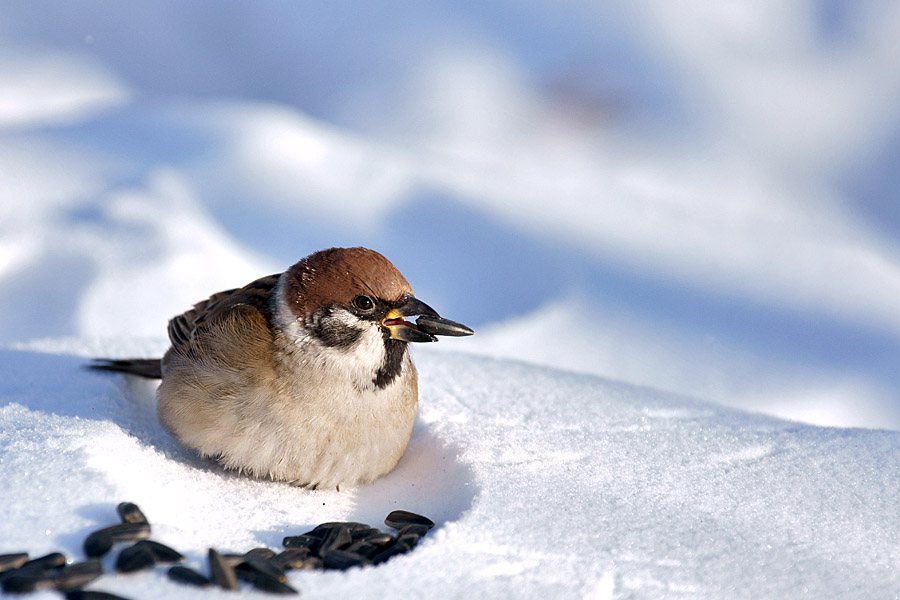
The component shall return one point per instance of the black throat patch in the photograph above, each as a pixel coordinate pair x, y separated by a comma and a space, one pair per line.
393, 363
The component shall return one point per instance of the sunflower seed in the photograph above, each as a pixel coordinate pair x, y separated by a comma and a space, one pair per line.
349, 525
273, 586
292, 558
130, 513
318, 533
302, 541
98, 543
236, 559
353, 528
398, 518
32, 575
222, 573
442, 326
409, 540
265, 553
50, 561
233, 559
359, 534
12, 561
135, 558
379, 539
413, 529
342, 559
363, 548
161, 553
91, 595
129, 532
27, 580
313, 563
188, 576
338, 537
78, 575
390, 552
260, 566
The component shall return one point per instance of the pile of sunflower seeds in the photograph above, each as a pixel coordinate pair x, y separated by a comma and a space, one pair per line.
334, 545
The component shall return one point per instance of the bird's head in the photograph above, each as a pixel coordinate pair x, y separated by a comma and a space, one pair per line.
355, 302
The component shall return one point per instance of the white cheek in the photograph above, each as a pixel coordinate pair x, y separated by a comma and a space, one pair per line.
359, 362
364, 357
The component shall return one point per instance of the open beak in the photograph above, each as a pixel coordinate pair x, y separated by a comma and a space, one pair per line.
428, 325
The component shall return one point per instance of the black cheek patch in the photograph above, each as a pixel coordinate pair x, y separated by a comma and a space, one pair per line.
335, 334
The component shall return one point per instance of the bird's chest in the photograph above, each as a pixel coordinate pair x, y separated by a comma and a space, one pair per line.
344, 402
338, 426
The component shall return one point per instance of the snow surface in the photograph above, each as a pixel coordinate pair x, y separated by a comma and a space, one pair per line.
542, 484
694, 197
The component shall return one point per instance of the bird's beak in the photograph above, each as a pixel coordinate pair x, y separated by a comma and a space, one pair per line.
428, 325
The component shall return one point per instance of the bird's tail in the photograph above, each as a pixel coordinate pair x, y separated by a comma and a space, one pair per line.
151, 368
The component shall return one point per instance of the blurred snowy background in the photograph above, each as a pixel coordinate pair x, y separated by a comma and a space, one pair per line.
700, 197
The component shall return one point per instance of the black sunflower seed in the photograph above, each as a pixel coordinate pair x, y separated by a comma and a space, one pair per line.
338, 537
188, 576
348, 525
292, 558
130, 513
409, 540
236, 559
78, 575
312, 563
273, 586
98, 543
233, 559
161, 553
134, 558
342, 559
27, 580
260, 566
12, 561
442, 326
363, 548
359, 534
91, 595
50, 561
319, 533
379, 539
129, 532
398, 518
413, 529
302, 541
265, 553
390, 552
222, 573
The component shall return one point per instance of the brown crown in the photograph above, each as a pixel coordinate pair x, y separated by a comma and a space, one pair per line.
337, 275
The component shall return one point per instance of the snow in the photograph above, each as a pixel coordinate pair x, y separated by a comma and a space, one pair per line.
620, 197
542, 484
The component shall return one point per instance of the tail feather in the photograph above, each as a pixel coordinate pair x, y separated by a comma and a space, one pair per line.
151, 368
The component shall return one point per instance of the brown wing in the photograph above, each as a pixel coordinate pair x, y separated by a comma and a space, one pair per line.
184, 328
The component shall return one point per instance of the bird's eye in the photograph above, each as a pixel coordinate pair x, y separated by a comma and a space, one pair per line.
363, 303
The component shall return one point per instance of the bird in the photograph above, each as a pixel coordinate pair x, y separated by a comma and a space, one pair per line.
303, 377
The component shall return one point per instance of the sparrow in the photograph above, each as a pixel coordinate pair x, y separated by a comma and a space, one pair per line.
303, 376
